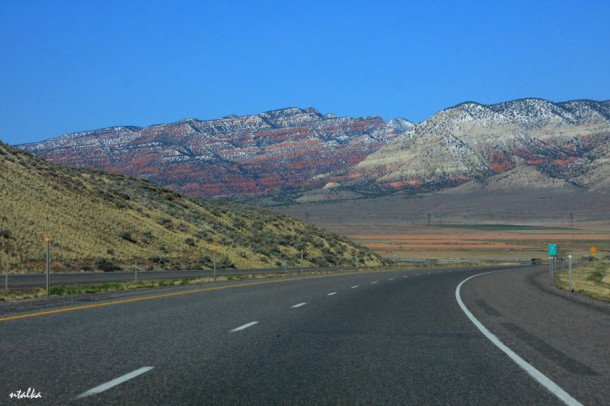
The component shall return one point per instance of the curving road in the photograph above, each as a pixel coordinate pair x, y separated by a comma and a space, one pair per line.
385, 337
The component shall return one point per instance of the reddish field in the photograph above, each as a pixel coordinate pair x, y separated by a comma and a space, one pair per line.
441, 242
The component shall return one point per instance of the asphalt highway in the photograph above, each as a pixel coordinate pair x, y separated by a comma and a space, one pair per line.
396, 337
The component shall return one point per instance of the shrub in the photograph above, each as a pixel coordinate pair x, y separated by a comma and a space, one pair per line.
166, 222
206, 262
159, 260
225, 263
106, 265
147, 237
126, 235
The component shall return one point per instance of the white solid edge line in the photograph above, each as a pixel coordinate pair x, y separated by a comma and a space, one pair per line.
332, 293
105, 386
533, 372
299, 305
245, 326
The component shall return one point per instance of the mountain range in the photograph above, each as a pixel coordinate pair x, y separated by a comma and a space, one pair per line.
248, 155
303, 155
527, 143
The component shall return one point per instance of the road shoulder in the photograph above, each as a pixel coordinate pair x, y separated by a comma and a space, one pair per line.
562, 335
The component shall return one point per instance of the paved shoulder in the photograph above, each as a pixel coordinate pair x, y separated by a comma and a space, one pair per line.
563, 337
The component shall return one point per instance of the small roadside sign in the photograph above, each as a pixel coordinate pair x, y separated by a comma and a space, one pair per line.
553, 250
593, 250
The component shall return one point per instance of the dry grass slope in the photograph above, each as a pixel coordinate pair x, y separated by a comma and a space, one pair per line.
592, 280
102, 221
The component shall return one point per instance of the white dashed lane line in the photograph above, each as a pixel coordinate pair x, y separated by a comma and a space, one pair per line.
332, 293
117, 381
354, 287
298, 305
374, 282
245, 326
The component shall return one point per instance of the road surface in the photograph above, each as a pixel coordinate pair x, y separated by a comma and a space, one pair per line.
394, 337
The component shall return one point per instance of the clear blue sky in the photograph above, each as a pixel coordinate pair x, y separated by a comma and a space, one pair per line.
77, 65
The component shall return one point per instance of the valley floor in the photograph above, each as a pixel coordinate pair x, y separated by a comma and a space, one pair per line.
454, 224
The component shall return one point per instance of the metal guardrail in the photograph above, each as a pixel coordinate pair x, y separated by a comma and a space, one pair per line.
432, 261
25, 281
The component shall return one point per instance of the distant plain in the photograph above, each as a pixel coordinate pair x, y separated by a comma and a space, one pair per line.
469, 222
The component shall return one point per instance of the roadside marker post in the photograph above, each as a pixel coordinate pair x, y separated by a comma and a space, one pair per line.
48, 263
6, 275
570, 272
136, 271
215, 248
552, 258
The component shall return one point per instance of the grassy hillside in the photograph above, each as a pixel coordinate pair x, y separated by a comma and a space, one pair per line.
102, 221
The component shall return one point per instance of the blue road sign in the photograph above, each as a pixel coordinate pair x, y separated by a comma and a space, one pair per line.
553, 250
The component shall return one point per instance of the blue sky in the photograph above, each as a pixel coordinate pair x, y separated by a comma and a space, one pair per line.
77, 65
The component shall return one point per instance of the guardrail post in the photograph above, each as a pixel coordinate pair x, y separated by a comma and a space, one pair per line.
48, 263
